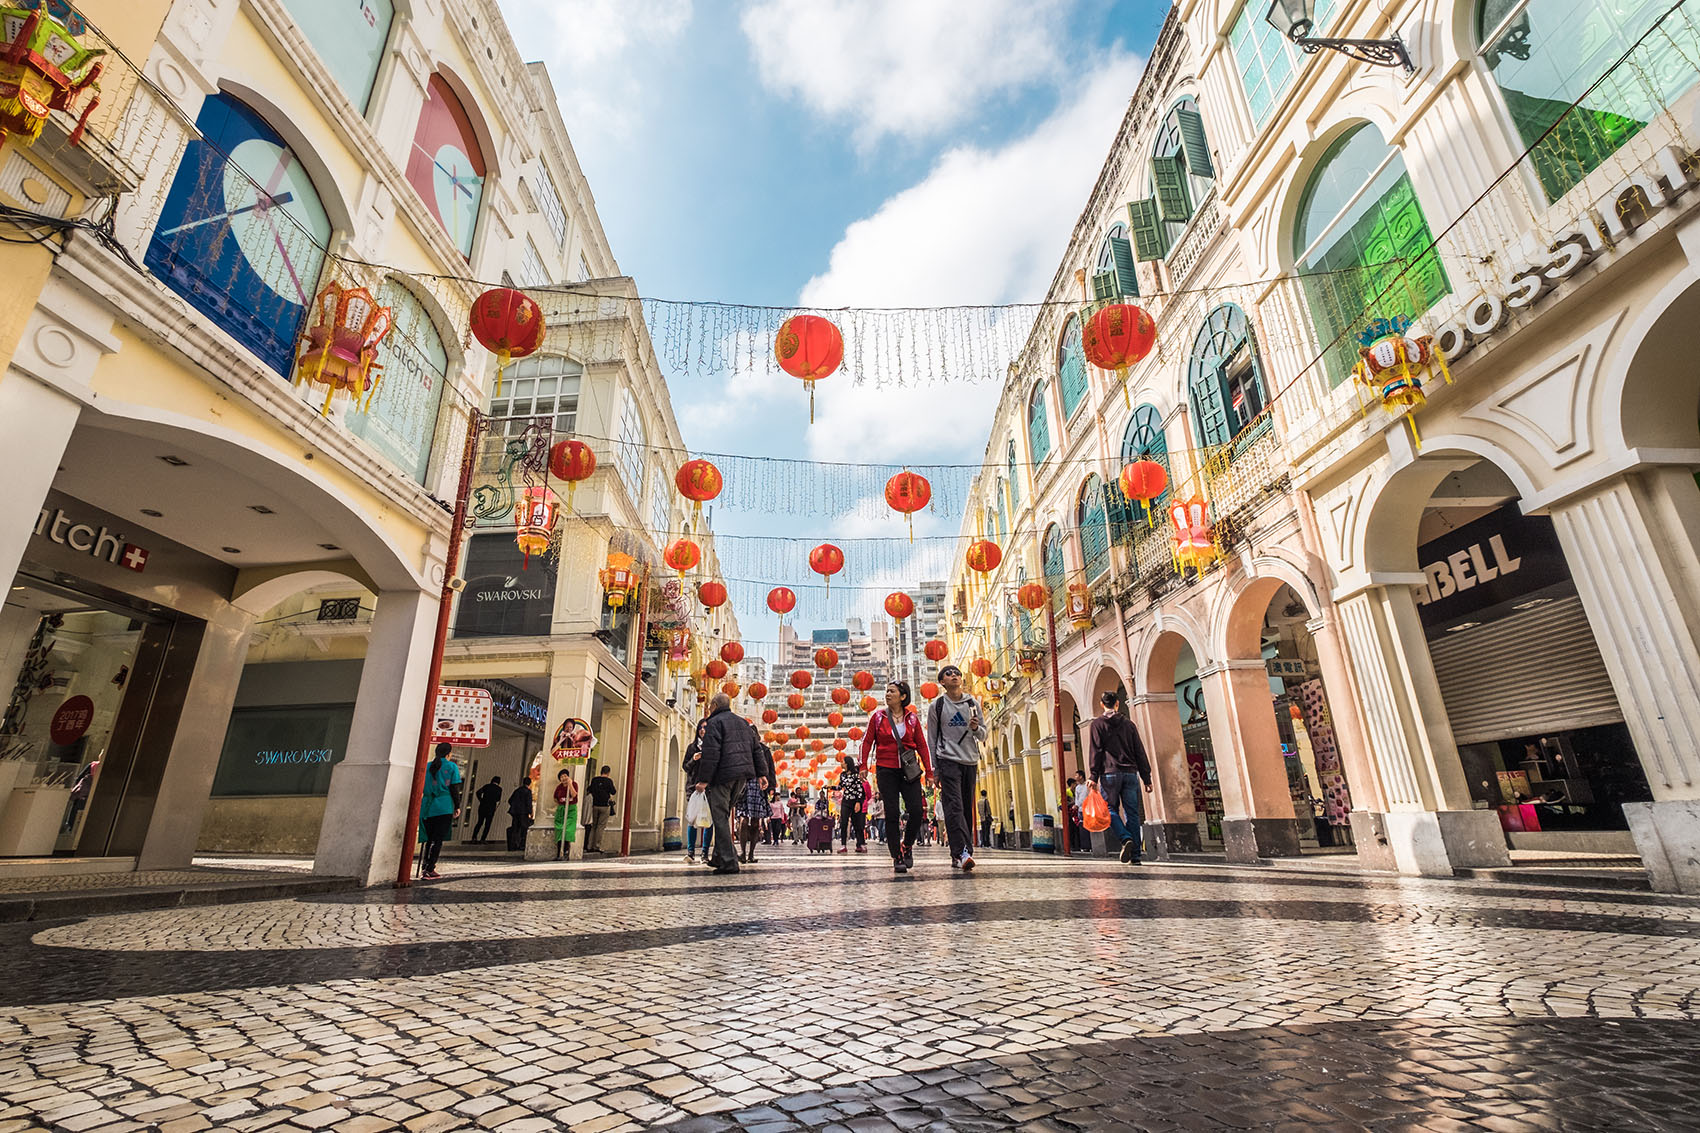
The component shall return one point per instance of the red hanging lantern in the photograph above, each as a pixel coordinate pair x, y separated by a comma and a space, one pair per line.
534, 519
712, 594
980, 667
862, 681
808, 347
840, 743
572, 461
816, 745
984, 556
1144, 480
731, 653
698, 481
929, 689
908, 492
869, 704
682, 555
1033, 595
1116, 337
835, 719
801, 680
899, 605
802, 731
856, 733
730, 688
769, 716
757, 691
509, 323
826, 659
841, 696
781, 600
826, 560
715, 669
794, 701
936, 650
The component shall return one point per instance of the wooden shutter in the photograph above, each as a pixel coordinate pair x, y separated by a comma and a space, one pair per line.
1210, 408
1174, 202
1104, 286
1127, 279
1194, 145
1150, 238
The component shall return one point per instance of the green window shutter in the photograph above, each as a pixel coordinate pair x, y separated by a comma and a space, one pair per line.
1210, 409
1194, 145
1104, 286
1150, 239
1173, 200
1127, 280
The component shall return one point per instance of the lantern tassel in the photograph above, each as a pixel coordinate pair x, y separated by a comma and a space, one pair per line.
1411, 423
811, 402
1121, 372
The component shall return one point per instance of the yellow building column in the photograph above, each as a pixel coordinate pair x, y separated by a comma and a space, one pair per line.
1258, 820
1171, 818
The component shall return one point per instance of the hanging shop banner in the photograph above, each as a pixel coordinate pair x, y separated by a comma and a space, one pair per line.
1495, 561
505, 596
463, 717
574, 741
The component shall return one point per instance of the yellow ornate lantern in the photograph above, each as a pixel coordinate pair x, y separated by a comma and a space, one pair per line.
679, 650
1392, 368
1080, 606
341, 348
618, 579
43, 68
534, 519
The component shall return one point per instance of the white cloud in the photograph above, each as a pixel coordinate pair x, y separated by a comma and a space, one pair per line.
904, 67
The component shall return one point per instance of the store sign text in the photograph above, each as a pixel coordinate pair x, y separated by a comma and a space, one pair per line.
1607, 223
56, 527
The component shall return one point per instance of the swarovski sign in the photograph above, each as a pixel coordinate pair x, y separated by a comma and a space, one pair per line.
1605, 225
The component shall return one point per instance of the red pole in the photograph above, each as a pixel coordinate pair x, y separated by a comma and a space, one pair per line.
631, 740
1057, 724
451, 563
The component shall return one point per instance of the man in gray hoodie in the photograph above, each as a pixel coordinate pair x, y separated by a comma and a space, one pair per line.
955, 729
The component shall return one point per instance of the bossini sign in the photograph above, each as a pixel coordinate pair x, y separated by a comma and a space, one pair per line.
57, 527
1607, 223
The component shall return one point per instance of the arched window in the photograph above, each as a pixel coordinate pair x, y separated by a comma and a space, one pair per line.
1014, 478
1038, 426
1547, 54
1071, 368
1181, 173
1093, 520
1266, 60
402, 421
1003, 512
1056, 571
1143, 439
1113, 276
243, 234
1224, 376
1362, 245
349, 40
446, 166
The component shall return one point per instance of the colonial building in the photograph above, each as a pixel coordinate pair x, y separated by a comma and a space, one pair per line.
1433, 632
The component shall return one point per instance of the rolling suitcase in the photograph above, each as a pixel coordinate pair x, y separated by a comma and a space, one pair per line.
820, 834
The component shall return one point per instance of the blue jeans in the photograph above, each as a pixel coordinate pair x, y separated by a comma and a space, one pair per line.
691, 833
1121, 792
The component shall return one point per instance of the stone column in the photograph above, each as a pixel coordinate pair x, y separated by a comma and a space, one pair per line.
1173, 820
35, 426
1428, 824
572, 685
1631, 545
1257, 805
1362, 777
366, 809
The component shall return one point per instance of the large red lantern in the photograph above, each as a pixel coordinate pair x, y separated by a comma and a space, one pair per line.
1033, 595
1144, 480
984, 556
801, 680
816, 745
698, 481
840, 743
808, 347
682, 555
781, 600
856, 733
802, 731
835, 719
712, 594
730, 688
715, 669
769, 716
757, 690
794, 701
826, 659
869, 704
826, 560
929, 690
534, 519
899, 605
908, 492
572, 461
980, 667
862, 681
1116, 337
509, 323
731, 653
936, 650
841, 696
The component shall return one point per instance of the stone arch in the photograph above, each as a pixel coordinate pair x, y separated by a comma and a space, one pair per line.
1157, 655
1651, 394
1240, 612
1384, 537
475, 114
262, 589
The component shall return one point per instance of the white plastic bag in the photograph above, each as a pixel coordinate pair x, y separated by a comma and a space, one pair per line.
696, 811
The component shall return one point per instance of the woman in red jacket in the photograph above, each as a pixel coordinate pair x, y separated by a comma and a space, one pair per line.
893, 732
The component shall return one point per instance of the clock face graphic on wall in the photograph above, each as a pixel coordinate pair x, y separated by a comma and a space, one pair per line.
243, 234
446, 166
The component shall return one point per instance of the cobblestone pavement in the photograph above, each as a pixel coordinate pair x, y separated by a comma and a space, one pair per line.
825, 994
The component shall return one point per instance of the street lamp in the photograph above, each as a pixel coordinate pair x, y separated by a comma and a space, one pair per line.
1295, 18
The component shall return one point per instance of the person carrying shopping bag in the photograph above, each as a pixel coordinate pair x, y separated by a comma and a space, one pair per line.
897, 741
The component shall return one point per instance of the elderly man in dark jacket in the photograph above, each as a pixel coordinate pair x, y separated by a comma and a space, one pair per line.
728, 761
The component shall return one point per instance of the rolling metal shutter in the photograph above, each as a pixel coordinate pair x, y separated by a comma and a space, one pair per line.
1535, 671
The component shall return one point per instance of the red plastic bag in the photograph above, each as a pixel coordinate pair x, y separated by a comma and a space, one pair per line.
1095, 812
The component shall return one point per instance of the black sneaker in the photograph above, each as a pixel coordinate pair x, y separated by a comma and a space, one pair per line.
909, 857
899, 866
1127, 852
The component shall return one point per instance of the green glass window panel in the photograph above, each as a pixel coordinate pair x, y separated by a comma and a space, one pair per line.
1094, 528
1265, 60
1038, 426
1554, 52
1014, 479
1071, 368
1056, 573
1372, 257
349, 36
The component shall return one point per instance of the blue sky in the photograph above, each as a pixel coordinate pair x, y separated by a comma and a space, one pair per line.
839, 152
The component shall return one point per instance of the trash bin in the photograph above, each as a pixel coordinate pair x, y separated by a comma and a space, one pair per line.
672, 834
1044, 834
